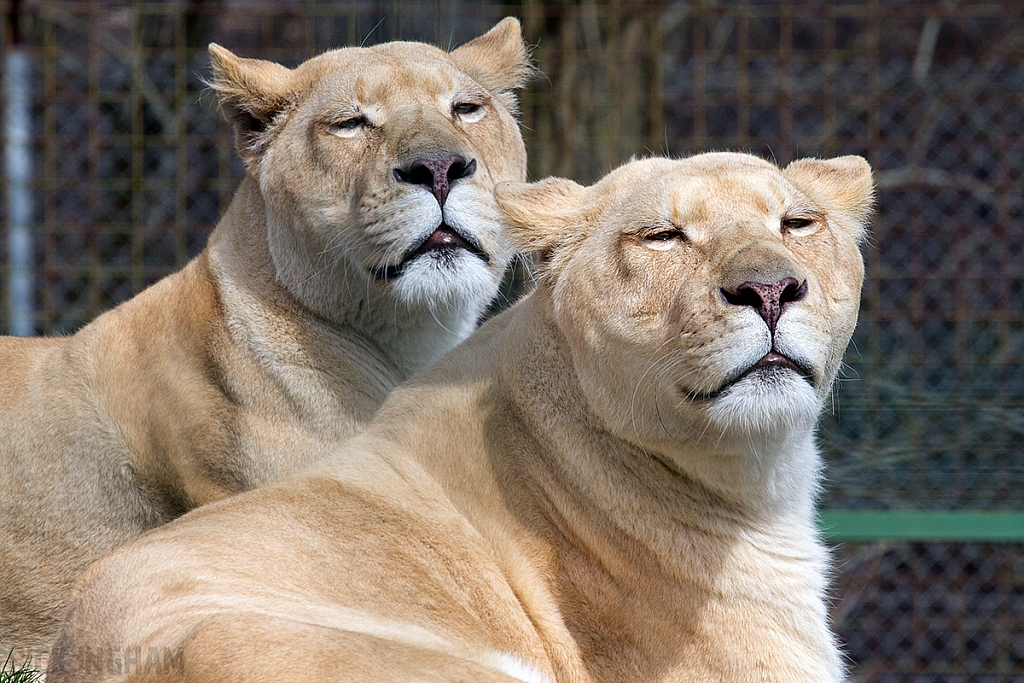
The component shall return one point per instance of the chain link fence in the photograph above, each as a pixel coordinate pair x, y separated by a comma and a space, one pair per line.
129, 166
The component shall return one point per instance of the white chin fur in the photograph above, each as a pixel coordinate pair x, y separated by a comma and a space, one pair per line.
446, 280
774, 402
455, 280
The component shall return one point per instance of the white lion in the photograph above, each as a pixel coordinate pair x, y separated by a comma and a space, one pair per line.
363, 243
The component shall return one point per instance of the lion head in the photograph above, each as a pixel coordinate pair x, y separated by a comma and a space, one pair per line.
706, 302
377, 165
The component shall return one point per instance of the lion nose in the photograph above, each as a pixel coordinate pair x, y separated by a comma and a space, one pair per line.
437, 175
768, 299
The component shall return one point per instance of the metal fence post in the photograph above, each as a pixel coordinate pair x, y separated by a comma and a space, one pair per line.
18, 201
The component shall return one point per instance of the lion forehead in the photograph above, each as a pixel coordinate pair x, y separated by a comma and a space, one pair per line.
700, 190
384, 80
722, 201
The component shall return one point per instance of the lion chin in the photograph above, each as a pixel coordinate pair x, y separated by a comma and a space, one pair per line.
612, 481
447, 270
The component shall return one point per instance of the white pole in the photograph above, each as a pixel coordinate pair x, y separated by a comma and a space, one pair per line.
18, 163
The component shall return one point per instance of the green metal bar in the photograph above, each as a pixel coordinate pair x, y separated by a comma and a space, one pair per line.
877, 525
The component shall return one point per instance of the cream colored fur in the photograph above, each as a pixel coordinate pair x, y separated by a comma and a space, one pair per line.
613, 481
285, 335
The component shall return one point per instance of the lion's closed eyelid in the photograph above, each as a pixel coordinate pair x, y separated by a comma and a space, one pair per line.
801, 224
469, 109
345, 125
660, 238
661, 232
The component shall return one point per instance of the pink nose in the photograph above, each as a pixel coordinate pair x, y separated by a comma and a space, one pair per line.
768, 299
437, 175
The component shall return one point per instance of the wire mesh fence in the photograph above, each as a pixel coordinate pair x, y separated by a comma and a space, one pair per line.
131, 166
915, 612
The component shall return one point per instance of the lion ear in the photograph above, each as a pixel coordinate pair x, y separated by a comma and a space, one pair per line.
842, 185
498, 60
252, 93
544, 217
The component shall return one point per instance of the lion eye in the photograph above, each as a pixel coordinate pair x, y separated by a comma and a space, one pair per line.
799, 226
348, 127
468, 111
663, 239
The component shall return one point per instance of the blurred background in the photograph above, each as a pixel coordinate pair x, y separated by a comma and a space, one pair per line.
117, 166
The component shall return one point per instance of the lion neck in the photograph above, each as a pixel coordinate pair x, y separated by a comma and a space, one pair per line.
764, 478
336, 301
641, 543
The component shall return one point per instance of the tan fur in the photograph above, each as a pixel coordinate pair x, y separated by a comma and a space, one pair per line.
277, 342
552, 500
